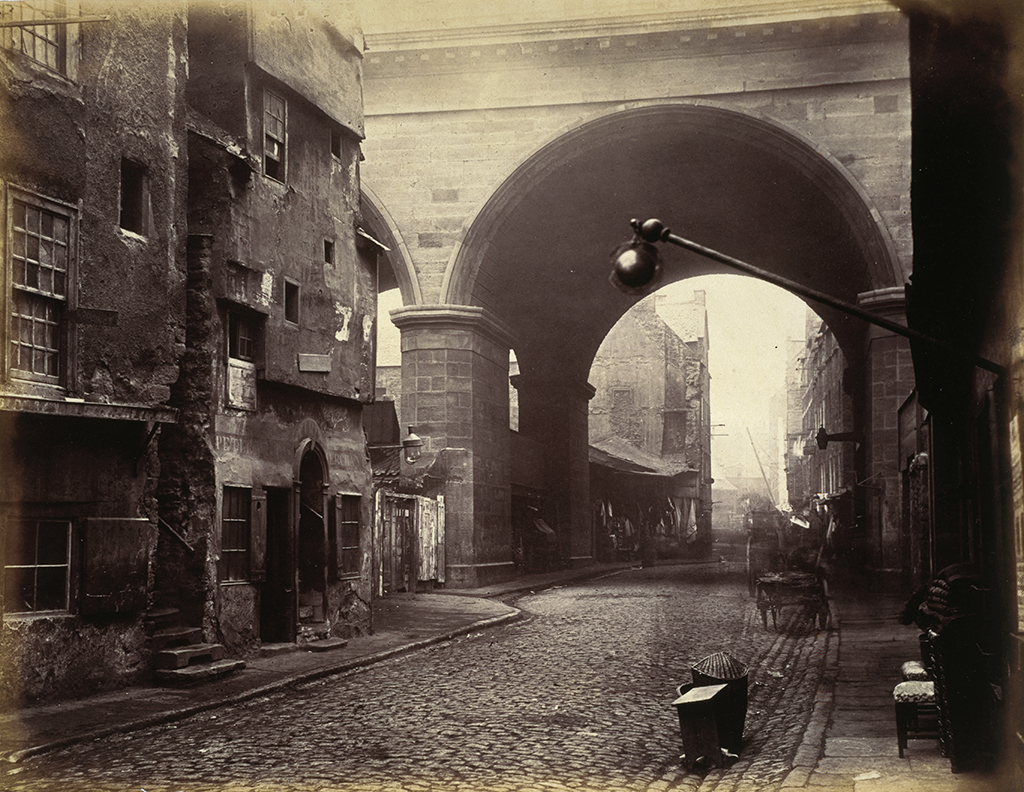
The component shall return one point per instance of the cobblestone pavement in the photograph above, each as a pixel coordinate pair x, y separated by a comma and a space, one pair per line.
577, 696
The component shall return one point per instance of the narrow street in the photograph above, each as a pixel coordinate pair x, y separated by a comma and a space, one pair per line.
575, 696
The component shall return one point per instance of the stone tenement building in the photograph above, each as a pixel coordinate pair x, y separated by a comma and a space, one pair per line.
652, 392
187, 336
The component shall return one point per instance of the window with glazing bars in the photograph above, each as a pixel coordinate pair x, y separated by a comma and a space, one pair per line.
40, 260
242, 337
37, 562
274, 119
46, 44
236, 528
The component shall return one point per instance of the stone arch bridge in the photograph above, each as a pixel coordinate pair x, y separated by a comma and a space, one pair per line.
503, 164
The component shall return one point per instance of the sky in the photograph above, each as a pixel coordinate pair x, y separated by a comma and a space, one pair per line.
749, 322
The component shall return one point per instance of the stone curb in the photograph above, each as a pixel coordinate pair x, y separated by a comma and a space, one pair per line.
272, 687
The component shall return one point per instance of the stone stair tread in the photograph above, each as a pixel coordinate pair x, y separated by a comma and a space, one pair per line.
275, 649
326, 644
159, 613
194, 674
179, 656
162, 619
169, 636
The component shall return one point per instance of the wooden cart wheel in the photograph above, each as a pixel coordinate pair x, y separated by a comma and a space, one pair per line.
762, 605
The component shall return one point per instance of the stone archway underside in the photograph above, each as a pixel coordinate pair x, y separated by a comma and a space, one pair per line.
537, 254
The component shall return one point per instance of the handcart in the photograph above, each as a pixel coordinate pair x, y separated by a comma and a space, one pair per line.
805, 591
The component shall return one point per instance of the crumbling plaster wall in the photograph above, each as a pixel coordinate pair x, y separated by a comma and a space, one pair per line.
63, 138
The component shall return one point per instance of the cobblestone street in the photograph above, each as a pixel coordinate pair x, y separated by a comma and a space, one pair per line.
575, 696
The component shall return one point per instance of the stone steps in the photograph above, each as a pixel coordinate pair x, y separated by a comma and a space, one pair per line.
175, 636
179, 655
326, 644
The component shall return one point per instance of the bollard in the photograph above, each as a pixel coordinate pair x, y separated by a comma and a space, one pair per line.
698, 725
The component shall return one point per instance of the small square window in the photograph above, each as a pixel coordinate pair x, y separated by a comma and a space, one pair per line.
134, 197
336, 145
291, 301
328, 251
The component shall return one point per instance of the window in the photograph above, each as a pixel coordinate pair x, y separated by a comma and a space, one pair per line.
328, 251
348, 508
243, 347
134, 197
41, 234
336, 145
236, 528
673, 436
291, 301
45, 44
241, 337
274, 120
37, 563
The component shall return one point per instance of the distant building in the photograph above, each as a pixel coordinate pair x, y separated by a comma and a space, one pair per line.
820, 478
652, 390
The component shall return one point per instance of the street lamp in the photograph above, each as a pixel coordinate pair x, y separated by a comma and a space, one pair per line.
412, 446
636, 269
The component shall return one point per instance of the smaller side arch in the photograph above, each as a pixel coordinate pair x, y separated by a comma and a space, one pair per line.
384, 228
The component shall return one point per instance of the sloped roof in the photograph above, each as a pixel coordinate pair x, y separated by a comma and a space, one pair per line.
617, 454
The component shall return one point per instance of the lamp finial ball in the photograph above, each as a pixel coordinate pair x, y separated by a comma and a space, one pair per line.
653, 230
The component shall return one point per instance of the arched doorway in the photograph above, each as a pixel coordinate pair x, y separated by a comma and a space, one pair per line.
312, 540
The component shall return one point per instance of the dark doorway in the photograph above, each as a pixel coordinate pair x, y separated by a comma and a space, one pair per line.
312, 555
277, 599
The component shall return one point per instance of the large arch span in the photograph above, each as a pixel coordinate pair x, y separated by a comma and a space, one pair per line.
530, 272
536, 254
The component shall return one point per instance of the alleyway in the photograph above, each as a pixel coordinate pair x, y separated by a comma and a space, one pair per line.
577, 696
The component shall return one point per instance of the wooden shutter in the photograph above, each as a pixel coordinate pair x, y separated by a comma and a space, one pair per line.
258, 537
115, 564
337, 537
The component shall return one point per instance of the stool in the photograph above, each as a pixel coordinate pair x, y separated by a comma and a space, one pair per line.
914, 671
917, 712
